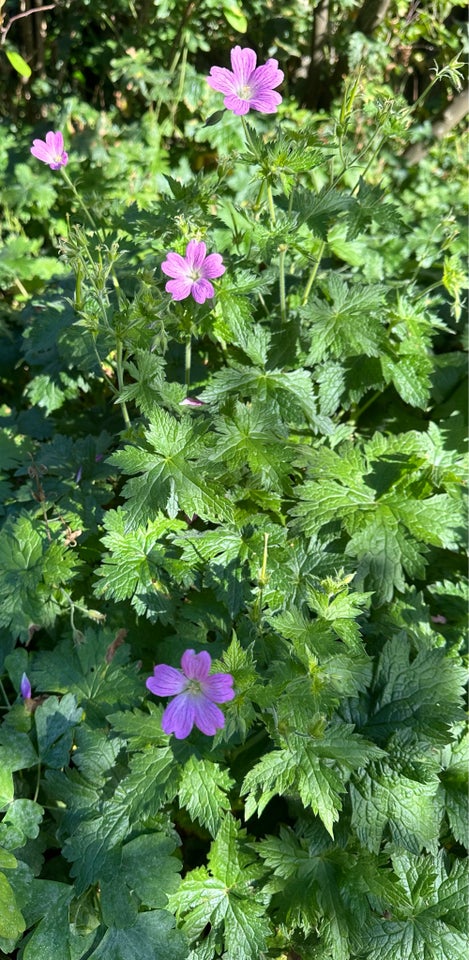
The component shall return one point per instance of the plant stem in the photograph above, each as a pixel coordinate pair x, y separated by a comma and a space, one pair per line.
256, 738
188, 360
103, 372
271, 204
281, 281
38, 782
313, 273
368, 403
2, 688
78, 198
248, 136
120, 381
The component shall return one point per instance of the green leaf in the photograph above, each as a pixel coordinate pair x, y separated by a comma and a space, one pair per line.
341, 611
347, 323
142, 728
292, 391
119, 906
233, 319
326, 500
353, 252
434, 924
318, 768
422, 693
95, 753
202, 790
152, 935
438, 520
19, 64
95, 671
383, 800
32, 570
253, 437
21, 822
320, 211
369, 207
134, 566
12, 922
94, 846
13, 449
55, 722
7, 860
150, 869
379, 546
150, 781
7, 790
19, 257
454, 785
51, 938
170, 478
226, 898
235, 16
410, 374
313, 885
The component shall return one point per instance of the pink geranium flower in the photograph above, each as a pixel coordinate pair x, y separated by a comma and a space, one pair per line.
245, 86
192, 273
51, 150
195, 694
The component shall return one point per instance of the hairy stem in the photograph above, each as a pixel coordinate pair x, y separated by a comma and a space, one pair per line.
188, 360
313, 273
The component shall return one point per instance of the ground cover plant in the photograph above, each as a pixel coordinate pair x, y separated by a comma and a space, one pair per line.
232, 470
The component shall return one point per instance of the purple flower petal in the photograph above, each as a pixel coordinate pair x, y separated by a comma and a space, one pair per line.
239, 107
222, 80
207, 717
247, 87
213, 266
40, 150
268, 75
243, 62
219, 687
51, 150
191, 402
266, 102
174, 266
195, 254
25, 687
179, 716
196, 694
179, 289
191, 274
202, 290
166, 681
196, 665
55, 141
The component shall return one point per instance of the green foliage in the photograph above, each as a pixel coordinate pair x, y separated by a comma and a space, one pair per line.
275, 476
226, 896
34, 567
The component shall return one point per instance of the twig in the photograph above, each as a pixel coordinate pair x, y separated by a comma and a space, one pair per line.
19, 16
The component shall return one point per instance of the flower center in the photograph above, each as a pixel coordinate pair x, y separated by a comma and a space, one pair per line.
193, 687
195, 274
245, 92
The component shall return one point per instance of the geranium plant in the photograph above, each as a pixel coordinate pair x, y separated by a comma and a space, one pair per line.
246, 496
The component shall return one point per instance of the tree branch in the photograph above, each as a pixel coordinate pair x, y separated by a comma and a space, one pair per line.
371, 15
19, 16
451, 116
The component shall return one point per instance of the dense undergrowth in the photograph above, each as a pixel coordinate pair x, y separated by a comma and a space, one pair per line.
274, 475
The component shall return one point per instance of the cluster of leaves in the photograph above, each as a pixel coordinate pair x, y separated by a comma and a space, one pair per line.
295, 523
